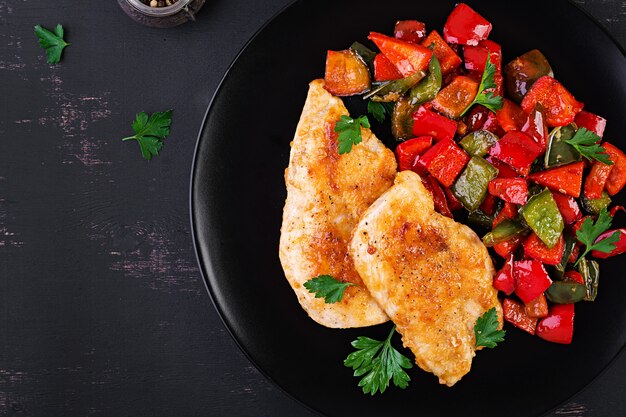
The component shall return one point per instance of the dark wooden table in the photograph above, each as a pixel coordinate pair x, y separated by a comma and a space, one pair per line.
102, 308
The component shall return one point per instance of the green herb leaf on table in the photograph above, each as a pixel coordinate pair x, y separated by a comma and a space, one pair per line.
486, 330
378, 362
586, 143
590, 231
150, 131
379, 109
349, 130
327, 287
488, 99
52, 42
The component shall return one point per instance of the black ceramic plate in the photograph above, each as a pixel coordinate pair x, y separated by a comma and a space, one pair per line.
238, 193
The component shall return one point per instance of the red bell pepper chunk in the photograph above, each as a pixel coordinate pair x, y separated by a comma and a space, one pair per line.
466, 27
488, 206
480, 117
453, 99
538, 307
515, 313
429, 123
504, 280
346, 74
384, 70
596, 179
620, 245
560, 105
517, 149
504, 171
615, 209
439, 197
575, 252
535, 126
409, 30
574, 276
511, 116
406, 56
591, 122
409, 150
476, 58
512, 190
508, 212
453, 203
531, 279
445, 161
568, 206
566, 179
508, 247
448, 59
534, 248
617, 177
558, 326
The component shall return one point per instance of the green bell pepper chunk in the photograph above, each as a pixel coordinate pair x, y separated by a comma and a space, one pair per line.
543, 216
428, 88
480, 218
393, 90
478, 142
504, 231
570, 243
471, 186
558, 152
590, 270
595, 205
365, 53
402, 119
564, 292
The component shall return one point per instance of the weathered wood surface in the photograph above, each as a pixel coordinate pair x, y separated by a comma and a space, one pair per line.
102, 309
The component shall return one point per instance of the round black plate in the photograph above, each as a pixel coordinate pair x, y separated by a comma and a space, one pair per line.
238, 193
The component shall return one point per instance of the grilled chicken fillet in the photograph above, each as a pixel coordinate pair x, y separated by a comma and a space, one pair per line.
326, 195
431, 275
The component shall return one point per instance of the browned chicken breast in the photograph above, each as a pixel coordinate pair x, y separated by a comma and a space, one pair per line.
431, 275
326, 195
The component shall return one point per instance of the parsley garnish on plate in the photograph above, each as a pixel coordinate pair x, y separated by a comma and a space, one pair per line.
586, 143
486, 330
379, 109
52, 42
378, 362
349, 130
487, 99
151, 131
327, 287
590, 231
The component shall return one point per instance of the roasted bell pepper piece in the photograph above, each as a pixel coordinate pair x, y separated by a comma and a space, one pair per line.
480, 117
591, 122
439, 198
518, 150
453, 203
445, 161
507, 212
408, 151
564, 292
596, 179
452, 100
558, 326
346, 74
521, 73
590, 272
542, 215
534, 248
515, 313
504, 170
560, 105
387, 91
504, 280
506, 230
537, 308
476, 58
568, 206
617, 177
471, 187
408, 57
427, 89
558, 151
531, 279
448, 59
574, 276
564, 179
402, 119
480, 219
410, 30
384, 70
511, 116
466, 27
513, 190
595, 205
478, 142
429, 123
535, 126
620, 245
489, 205
505, 249
365, 53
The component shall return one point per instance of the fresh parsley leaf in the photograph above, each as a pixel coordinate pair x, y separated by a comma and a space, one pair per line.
586, 143
486, 329
590, 231
487, 99
379, 109
151, 131
349, 130
327, 287
52, 42
378, 362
